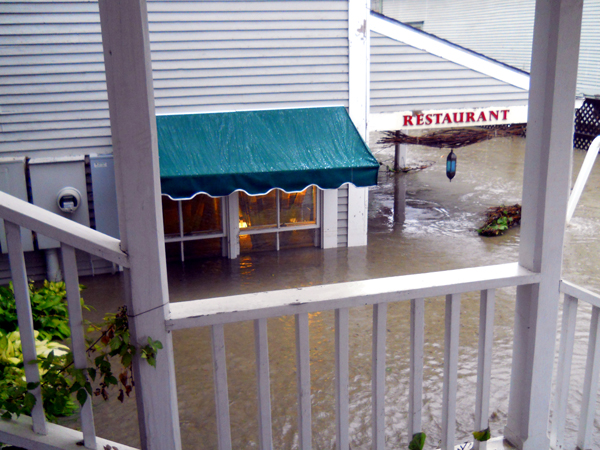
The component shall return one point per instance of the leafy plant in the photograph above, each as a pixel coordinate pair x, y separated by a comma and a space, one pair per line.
418, 441
483, 435
15, 397
48, 307
114, 341
60, 381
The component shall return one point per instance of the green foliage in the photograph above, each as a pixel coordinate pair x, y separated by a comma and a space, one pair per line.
114, 341
483, 435
15, 397
500, 219
418, 441
61, 383
48, 308
497, 226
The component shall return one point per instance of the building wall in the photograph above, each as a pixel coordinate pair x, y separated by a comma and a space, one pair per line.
206, 56
588, 77
499, 30
406, 78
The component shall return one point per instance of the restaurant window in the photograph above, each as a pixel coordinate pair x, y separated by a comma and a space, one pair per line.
186, 221
278, 219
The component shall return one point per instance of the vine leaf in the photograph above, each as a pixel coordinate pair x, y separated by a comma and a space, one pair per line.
483, 435
418, 441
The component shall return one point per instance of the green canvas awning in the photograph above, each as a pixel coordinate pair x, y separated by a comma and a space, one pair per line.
257, 151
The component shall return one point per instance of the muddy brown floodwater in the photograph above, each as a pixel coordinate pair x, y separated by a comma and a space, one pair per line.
435, 231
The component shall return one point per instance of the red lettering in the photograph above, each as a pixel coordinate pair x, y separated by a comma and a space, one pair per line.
428, 119
420, 119
470, 117
437, 118
494, 114
408, 121
504, 113
447, 119
462, 115
481, 117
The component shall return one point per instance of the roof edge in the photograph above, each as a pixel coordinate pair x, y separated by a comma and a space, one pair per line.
444, 49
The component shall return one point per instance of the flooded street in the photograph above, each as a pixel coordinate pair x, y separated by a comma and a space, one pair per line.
436, 231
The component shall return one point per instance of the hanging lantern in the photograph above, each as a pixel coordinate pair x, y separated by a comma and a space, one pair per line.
451, 165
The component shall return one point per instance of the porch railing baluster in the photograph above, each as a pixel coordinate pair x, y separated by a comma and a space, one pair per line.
77, 338
484, 363
417, 340
220, 383
590, 383
378, 375
450, 371
563, 375
341, 378
264, 384
25, 320
303, 376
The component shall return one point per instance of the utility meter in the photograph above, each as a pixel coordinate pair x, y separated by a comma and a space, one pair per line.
68, 199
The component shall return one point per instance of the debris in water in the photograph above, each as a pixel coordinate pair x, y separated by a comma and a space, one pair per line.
412, 167
451, 138
499, 219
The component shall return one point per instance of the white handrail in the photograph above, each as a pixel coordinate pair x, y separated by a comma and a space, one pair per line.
573, 294
583, 176
236, 308
62, 229
566, 287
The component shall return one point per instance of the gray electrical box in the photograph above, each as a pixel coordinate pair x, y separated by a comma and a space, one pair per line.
104, 191
12, 181
59, 181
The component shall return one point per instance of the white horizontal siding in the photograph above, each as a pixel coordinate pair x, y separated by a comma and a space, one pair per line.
405, 78
206, 56
53, 91
253, 54
588, 76
500, 30
36, 266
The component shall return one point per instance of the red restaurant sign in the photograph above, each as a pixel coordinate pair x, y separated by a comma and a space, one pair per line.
459, 118
448, 118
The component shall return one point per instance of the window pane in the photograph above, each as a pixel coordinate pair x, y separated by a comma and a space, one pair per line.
170, 216
298, 208
296, 239
258, 210
258, 242
201, 214
202, 248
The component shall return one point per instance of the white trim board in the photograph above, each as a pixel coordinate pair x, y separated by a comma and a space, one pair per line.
443, 49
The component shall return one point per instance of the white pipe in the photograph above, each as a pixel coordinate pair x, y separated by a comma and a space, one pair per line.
583, 176
53, 272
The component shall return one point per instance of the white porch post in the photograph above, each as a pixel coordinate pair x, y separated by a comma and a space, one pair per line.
545, 193
358, 108
358, 205
329, 216
358, 62
133, 124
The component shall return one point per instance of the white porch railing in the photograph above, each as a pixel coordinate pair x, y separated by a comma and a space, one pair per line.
34, 432
340, 297
572, 295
